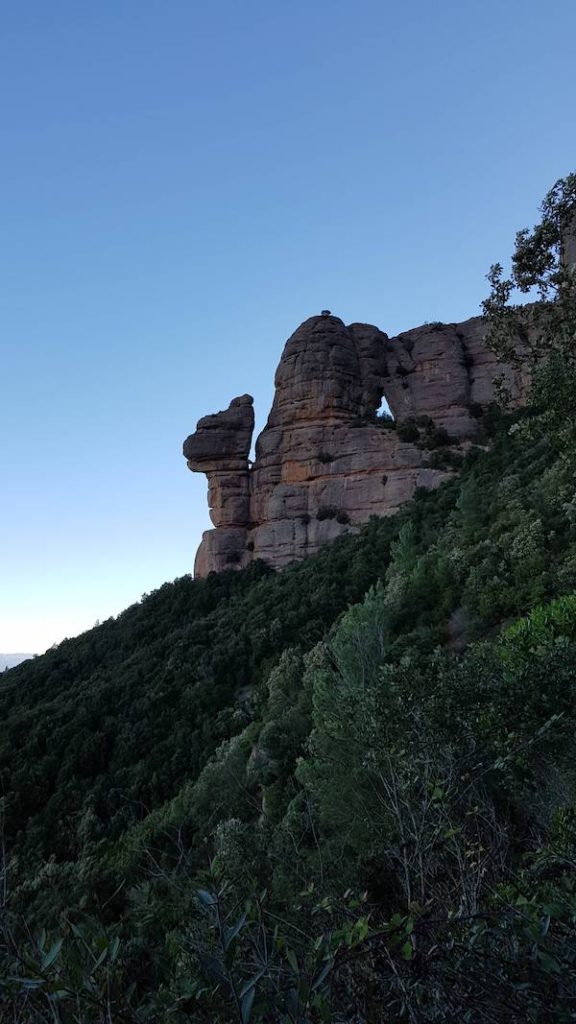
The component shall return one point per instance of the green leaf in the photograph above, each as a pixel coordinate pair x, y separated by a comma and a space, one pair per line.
100, 960
253, 981
451, 832
292, 960
27, 982
230, 953
52, 953
407, 950
323, 975
232, 932
207, 899
247, 1004
322, 1008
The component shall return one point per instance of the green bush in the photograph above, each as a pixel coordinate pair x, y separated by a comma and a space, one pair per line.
326, 512
407, 430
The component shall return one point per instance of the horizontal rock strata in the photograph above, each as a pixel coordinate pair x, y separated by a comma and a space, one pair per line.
325, 461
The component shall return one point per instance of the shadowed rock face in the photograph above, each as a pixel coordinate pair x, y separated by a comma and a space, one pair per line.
444, 371
220, 448
324, 463
223, 436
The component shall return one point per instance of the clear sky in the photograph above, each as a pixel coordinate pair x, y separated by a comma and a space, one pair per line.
183, 183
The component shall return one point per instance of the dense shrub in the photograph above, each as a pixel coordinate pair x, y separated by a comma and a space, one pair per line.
326, 512
407, 430
324, 457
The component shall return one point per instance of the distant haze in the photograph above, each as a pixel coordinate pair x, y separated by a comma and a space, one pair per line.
10, 660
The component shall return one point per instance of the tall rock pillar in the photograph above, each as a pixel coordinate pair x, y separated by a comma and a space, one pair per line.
220, 447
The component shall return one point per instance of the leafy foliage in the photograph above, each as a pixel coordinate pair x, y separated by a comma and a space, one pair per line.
544, 267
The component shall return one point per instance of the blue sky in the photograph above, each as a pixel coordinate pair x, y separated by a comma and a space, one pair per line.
182, 184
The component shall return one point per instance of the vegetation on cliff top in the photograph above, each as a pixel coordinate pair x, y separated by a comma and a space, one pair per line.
341, 793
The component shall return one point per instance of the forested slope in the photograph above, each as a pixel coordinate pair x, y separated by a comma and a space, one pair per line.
248, 727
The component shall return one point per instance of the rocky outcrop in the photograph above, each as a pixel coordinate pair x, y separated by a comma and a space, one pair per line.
325, 461
447, 372
220, 448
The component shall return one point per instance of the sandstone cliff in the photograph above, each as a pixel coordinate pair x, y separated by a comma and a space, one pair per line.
325, 461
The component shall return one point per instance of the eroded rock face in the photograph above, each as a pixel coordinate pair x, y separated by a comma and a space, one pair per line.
219, 448
447, 372
325, 462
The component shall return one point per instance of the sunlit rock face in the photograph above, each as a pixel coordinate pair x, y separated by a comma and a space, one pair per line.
325, 462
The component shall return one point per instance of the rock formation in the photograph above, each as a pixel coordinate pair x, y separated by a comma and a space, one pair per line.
325, 461
447, 372
220, 448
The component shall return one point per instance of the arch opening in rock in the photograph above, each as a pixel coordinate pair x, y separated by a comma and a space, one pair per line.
383, 410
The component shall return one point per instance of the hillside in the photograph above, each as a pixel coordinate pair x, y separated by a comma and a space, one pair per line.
340, 793
197, 726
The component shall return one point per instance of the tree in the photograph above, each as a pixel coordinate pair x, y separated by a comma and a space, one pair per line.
544, 268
